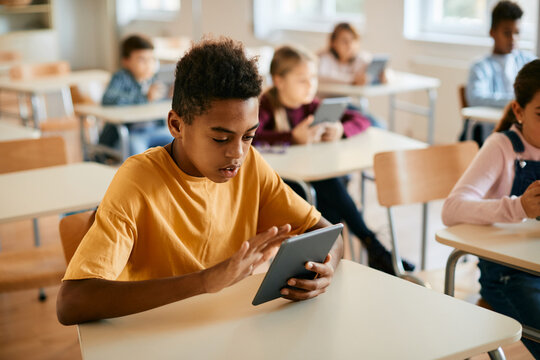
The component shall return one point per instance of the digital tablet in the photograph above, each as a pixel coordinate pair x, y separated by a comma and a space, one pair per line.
331, 109
291, 259
375, 69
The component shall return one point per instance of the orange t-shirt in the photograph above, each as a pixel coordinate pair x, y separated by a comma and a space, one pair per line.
156, 221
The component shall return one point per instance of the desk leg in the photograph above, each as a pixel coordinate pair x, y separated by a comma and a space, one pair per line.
450, 272
38, 112
432, 95
123, 134
424, 235
84, 144
23, 109
391, 111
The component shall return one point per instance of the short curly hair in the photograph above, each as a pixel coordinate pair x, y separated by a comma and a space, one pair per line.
505, 10
213, 69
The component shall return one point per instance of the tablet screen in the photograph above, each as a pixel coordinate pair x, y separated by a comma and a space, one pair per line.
291, 259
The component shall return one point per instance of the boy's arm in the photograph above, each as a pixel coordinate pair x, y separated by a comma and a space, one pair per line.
93, 299
308, 289
122, 90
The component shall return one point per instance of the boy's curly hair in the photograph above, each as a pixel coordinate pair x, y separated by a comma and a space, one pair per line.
213, 69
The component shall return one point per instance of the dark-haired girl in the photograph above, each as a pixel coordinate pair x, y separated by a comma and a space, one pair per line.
502, 184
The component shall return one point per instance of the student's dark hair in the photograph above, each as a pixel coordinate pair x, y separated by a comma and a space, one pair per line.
526, 86
133, 43
505, 10
337, 29
213, 69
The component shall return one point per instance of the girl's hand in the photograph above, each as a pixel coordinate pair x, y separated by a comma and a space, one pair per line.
382, 78
251, 254
360, 77
530, 200
303, 133
333, 131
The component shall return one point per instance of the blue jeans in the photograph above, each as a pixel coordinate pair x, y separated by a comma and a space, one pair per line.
142, 139
513, 293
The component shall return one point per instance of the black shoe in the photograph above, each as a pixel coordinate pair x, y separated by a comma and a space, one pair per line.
381, 259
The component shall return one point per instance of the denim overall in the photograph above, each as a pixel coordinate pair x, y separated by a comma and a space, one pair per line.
509, 291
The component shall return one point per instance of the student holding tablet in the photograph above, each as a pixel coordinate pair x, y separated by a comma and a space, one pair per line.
197, 215
286, 115
345, 63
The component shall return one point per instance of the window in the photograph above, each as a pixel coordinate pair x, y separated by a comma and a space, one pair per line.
305, 15
462, 21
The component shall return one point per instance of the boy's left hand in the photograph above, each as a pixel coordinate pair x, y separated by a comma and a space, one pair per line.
307, 289
333, 131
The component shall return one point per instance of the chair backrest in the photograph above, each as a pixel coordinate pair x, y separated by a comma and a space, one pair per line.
6, 56
32, 71
27, 154
421, 175
462, 96
72, 230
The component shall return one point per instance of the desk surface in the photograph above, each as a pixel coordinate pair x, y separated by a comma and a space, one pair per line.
365, 314
513, 244
481, 113
398, 82
52, 190
54, 83
10, 132
126, 114
325, 160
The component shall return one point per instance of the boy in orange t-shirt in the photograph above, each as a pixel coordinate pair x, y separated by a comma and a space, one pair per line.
197, 215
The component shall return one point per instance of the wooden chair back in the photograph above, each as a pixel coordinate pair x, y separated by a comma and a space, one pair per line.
32, 71
27, 154
421, 175
72, 230
462, 96
7, 56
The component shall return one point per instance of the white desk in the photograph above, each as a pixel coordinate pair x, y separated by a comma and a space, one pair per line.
398, 82
47, 84
10, 132
120, 116
513, 245
481, 113
304, 163
52, 190
365, 314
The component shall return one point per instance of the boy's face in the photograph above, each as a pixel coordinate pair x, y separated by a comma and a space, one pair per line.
506, 36
141, 63
217, 142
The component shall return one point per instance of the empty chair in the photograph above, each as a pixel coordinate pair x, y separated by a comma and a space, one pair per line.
72, 230
418, 176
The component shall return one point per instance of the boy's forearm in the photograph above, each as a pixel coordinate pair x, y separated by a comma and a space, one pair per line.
94, 299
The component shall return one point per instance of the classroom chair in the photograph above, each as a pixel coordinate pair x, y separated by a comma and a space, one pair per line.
72, 230
9, 56
418, 176
37, 266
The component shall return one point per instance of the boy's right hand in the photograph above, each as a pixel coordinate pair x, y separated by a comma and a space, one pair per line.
530, 200
156, 91
303, 133
251, 254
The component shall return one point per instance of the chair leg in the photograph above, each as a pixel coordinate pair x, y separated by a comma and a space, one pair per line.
37, 242
497, 354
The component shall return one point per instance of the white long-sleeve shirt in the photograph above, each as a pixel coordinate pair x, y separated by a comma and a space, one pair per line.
481, 196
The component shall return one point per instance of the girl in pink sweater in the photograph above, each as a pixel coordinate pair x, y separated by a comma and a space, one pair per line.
502, 184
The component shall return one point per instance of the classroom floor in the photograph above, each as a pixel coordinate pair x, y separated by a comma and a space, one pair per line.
29, 329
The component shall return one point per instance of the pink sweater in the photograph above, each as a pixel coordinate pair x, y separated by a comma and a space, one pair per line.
481, 196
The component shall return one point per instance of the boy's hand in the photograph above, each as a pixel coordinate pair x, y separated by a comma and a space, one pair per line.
156, 91
307, 289
303, 133
251, 254
530, 200
333, 131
